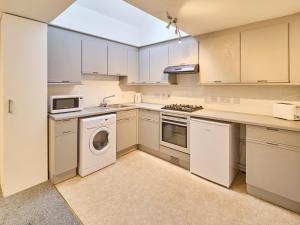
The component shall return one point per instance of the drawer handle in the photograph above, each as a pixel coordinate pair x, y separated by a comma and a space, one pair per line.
274, 144
262, 81
67, 132
272, 129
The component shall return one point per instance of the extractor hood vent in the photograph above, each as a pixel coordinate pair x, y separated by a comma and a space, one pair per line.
194, 68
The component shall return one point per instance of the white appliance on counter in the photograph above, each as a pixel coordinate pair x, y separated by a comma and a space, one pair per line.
65, 103
286, 111
97, 143
214, 150
138, 98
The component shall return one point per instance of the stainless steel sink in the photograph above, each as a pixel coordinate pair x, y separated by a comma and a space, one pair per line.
117, 106
96, 109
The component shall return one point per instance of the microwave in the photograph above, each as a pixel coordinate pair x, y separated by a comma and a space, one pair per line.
65, 103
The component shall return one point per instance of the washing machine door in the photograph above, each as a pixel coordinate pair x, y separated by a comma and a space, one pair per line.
100, 140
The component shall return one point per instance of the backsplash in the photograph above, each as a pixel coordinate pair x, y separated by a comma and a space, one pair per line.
94, 88
237, 98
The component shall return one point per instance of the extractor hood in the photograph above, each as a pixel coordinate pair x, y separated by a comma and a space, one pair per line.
194, 68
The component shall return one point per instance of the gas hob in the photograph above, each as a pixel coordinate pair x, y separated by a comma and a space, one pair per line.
183, 108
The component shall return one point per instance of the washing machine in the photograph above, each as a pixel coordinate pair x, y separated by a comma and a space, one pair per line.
97, 143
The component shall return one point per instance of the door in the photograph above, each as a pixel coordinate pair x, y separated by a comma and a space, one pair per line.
24, 129
265, 54
64, 56
94, 56
100, 141
144, 61
126, 133
133, 66
159, 60
117, 59
220, 59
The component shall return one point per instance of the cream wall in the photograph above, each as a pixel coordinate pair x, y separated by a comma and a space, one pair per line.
237, 98
94, 88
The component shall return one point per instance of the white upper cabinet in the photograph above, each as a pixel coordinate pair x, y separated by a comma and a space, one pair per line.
264, 54
117, 59
133, 65
219, 59
64, 56
295, 51
94, 56
159, 60
183, 53
144, 61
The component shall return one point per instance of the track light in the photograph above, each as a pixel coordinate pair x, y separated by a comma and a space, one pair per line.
174, 22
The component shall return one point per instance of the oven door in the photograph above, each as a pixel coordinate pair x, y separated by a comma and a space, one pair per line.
174, 134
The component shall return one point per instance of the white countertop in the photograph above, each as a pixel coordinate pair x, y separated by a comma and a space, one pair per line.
243, 118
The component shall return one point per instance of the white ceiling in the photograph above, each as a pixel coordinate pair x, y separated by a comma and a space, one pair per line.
41, 10
116, 20
204, 16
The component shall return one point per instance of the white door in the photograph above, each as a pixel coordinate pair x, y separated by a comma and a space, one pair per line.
24, 79
159, 60
117, 59
133, 66
144, 61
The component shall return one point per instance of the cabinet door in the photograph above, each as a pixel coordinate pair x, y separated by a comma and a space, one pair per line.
220, 59
94, 56
264, 54
183, 53
144, 61
126, 133
159, 60
117, 59
295, 51
64, 56
149, 133
133, 66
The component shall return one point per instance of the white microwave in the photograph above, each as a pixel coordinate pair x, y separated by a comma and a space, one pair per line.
65, 103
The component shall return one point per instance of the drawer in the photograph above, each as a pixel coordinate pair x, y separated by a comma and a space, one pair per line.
63, 127
148, 114
126, 114
273, 168
271, 135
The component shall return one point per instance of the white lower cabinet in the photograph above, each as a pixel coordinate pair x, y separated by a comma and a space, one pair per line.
62, 149
273, 166
126, 129
214, 150
149, 129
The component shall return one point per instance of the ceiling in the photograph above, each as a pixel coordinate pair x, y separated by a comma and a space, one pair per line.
204, 16
41, 10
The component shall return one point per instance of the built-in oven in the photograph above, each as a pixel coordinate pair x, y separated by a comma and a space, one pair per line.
65, 103
174, 131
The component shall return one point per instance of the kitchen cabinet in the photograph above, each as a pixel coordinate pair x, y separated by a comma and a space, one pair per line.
149, 129
159, 60
273, 168
23, 104
264, 54
126, 129
62, 149
94, 55
183, 53
219, 59
64, 56
144, 62
214, 160
295, 51
133, 66
117, 59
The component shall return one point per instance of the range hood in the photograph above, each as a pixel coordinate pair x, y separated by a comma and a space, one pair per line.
193, 68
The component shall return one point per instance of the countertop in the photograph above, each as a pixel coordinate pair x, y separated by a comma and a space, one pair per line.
243, 118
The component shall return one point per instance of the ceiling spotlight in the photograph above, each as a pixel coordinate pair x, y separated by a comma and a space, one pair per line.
169, 24
174, 22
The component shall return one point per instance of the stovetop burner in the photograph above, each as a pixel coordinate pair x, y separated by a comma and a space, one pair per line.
183, 108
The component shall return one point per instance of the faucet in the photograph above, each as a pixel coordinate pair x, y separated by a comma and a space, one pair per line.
103, 103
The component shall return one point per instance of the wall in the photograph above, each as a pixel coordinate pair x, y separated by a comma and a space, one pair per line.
94, 88
237, 98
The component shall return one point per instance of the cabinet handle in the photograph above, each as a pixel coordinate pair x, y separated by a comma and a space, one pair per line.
65, 81
67, 132
272, 129
262, 81
218, 81
95, 72
10, 106
274, 144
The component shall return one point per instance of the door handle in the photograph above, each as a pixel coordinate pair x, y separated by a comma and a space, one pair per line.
10, 106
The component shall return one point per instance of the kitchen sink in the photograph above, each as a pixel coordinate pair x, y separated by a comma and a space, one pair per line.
96, 109
117, 106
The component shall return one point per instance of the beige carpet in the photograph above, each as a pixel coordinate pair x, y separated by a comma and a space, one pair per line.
141, 189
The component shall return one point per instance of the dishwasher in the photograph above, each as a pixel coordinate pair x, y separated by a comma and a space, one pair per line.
214, 150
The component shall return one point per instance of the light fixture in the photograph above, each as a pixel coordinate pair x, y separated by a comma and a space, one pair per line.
174, 22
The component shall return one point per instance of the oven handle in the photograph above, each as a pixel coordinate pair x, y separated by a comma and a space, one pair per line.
174, 123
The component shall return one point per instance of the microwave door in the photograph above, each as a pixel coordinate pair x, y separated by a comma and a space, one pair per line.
66, 103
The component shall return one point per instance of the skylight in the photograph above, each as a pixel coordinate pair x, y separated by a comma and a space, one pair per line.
116, 20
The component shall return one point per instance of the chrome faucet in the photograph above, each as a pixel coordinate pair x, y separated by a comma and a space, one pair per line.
103, 103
